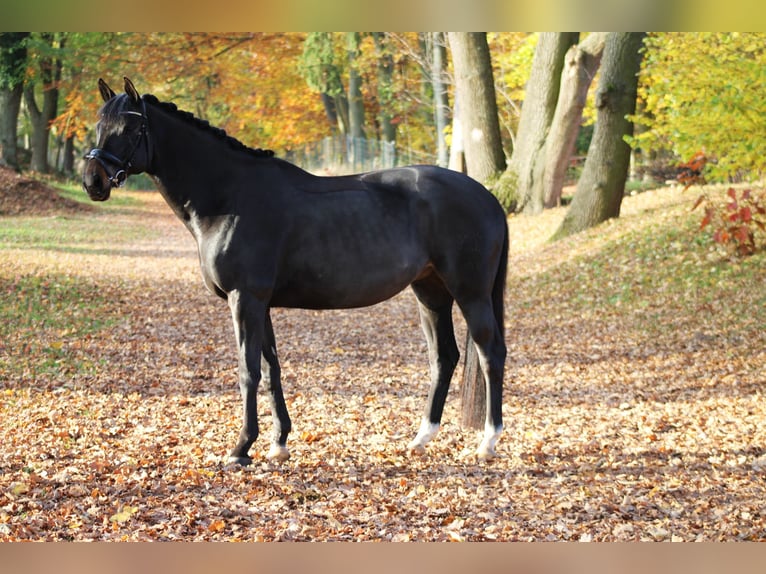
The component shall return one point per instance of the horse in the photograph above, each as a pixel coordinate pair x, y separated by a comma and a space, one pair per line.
270, 234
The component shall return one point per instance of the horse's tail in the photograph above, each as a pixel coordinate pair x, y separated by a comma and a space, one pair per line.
474, 395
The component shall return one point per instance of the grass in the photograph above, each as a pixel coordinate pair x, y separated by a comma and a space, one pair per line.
76, 232
655, 270
75, 192
43, 320
46, 314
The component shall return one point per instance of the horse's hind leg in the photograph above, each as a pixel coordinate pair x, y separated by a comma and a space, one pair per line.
491, 350
435, 305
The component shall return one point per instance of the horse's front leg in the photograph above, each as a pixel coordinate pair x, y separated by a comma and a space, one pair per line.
271, 374
249, 317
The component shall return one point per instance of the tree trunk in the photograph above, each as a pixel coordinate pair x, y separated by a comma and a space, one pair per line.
385, 87
602, 184
67, 166
10, 104
542, 92
580, 65
355, 101
329, 107
40, 125
456, 154
50, 74
475, 88
441, 102
485, 161
13, 58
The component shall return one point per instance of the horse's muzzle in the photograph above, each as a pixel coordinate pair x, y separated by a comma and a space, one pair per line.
96, 181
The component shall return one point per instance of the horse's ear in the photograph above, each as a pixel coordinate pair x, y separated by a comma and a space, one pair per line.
130, 89
106, 92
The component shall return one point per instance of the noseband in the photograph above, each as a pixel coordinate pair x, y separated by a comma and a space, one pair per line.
103, 157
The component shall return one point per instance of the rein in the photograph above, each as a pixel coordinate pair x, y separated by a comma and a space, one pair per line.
102, 156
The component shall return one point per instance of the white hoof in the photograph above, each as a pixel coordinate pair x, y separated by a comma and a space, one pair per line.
240, 460
486, 450
485, 454
278, 453
427, 431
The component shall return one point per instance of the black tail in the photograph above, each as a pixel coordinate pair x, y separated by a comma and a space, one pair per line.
474, 391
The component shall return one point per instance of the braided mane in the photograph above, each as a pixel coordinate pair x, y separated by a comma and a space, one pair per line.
190, 118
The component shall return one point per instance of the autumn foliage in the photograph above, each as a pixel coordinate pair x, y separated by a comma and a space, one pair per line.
735, 219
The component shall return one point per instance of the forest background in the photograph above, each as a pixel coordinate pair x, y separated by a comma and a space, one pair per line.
697, 92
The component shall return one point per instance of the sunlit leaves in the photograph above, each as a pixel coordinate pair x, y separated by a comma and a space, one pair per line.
704, 91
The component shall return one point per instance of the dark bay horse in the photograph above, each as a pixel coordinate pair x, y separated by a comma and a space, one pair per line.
272, 235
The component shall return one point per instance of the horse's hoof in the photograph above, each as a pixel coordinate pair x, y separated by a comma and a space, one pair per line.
416, 449
486, 454
240, 460
278, 453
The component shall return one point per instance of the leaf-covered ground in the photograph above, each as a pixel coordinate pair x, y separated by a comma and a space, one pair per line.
633, 400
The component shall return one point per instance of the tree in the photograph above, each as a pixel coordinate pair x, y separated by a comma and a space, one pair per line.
475, 92
522, 183
385, 86
322, 71
355, 99
580, 65
48, 70
13, 58
704, 92
438, 48
602, 184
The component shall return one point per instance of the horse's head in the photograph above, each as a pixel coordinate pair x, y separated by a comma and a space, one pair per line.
123, 146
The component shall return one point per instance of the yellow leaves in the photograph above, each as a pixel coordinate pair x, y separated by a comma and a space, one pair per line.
124, 514
18, 488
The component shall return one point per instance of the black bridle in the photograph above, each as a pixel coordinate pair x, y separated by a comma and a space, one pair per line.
103, 157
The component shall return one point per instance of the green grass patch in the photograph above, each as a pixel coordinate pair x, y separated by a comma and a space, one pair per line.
44, 320
75, 192
65, 232
661, 274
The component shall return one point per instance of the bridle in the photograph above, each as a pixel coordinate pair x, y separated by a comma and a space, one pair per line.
103, 157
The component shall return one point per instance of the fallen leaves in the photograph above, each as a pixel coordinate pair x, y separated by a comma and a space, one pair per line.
633, 404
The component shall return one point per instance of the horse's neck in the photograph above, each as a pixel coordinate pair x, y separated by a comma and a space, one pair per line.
188, 162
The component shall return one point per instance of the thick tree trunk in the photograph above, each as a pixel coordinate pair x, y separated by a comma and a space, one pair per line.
580, 65
602, 184
10, 104
542, 92
41, 119
13, 59
475, 88
50, 74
